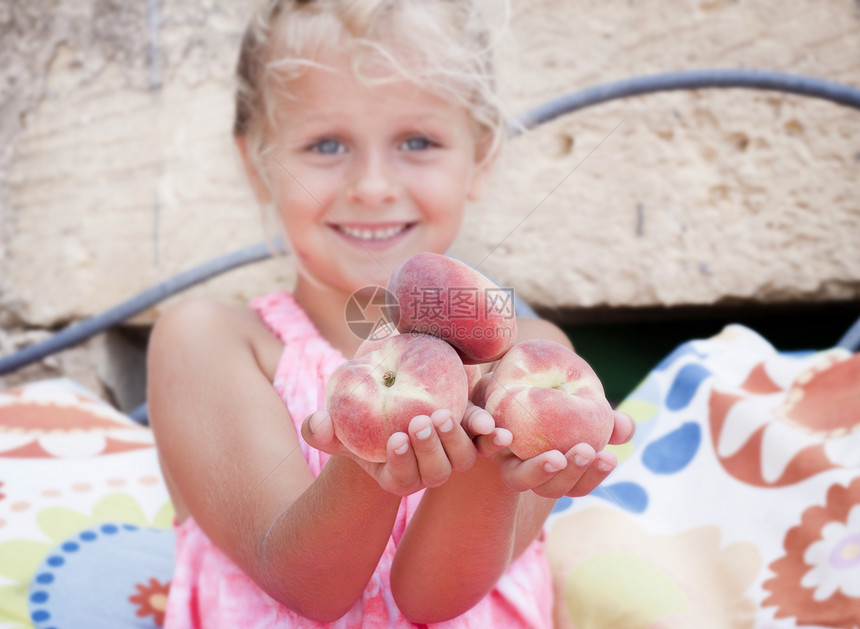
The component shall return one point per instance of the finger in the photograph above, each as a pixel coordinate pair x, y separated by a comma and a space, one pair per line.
458, 446
400, 474
579, 458
477, 421
524, 475
318, 432
623, 430
595, 474
499, 439
433, 464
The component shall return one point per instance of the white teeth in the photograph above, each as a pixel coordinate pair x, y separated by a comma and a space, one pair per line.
372, 234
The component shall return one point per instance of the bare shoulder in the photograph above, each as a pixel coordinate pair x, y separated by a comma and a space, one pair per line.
197, 326
200, 320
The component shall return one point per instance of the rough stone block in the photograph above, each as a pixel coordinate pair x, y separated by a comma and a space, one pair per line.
117, 168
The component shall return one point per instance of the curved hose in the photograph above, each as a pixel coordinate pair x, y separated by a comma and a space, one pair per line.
687, 80
693, 79
87, 328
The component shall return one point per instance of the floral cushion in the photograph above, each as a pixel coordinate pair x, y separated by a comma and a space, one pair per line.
86, 534
736, 505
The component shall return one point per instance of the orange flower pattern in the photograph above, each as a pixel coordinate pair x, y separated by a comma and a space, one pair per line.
818, 579
151, 600
736, 506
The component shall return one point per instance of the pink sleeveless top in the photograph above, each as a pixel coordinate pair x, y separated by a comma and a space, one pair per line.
209, 591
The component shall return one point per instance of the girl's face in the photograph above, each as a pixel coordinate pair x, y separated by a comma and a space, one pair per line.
366, 176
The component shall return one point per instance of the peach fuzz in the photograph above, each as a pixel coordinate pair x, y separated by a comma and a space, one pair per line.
377, 394
549, 398
378, 341
447, 298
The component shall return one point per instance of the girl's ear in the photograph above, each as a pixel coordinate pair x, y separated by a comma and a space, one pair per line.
485, 158
258, 184
480, 177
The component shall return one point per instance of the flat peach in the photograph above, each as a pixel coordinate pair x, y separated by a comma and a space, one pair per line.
377, 394
549, 398
444, 297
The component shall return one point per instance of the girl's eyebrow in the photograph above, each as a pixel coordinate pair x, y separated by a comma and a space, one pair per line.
434, 120
330, 118
315, 114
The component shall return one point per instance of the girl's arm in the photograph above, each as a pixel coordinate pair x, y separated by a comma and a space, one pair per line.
464, 535
232, 455
466, 532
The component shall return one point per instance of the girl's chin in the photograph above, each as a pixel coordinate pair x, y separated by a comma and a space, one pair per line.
343, 280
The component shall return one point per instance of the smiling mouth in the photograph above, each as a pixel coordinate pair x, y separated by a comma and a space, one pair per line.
370, 234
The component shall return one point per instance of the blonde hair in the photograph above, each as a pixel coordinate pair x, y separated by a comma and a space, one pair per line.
444, 46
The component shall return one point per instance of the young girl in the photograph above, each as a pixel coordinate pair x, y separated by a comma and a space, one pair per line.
367, 125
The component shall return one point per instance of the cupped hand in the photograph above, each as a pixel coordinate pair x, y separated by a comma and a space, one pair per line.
424, 456
554, 474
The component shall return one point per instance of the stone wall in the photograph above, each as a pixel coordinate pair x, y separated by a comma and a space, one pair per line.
117, 168
701, 197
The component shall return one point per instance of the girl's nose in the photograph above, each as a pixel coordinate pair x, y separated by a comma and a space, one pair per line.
373, 183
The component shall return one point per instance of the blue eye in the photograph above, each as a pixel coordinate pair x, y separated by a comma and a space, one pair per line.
329, 147
417, 144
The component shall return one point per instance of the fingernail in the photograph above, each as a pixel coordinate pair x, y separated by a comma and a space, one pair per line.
314, 423
603, 466
424, 432
581, 461
552, 467
402, 449
447, 425
498, 440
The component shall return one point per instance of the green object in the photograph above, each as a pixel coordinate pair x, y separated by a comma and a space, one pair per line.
623, 351
641, 593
